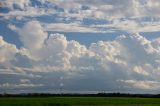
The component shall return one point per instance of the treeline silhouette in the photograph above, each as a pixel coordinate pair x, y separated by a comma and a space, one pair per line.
81, 95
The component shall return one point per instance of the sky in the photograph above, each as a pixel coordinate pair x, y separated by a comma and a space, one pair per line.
84, 46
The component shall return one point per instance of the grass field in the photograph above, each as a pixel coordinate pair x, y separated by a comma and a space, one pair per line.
78, 101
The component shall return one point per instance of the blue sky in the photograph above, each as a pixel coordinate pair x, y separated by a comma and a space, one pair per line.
79, 45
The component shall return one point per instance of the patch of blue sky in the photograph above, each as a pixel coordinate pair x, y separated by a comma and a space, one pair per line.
55, 18
92, 21
36, 3
88, 38
48, 19
150, 35
4, 10
9, 35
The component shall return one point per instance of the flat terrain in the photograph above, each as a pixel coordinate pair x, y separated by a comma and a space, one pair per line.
78, 101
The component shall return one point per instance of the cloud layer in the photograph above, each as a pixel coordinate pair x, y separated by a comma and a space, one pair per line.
51, 62
85, 15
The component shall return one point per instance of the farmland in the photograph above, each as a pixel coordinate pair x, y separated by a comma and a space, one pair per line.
78, 101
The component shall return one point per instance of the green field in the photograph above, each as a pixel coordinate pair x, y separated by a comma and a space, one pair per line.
78, 101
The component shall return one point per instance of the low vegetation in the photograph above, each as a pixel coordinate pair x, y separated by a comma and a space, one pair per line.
78, 101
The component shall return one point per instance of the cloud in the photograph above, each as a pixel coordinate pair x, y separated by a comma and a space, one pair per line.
24, 80
127, 63
32, 35
109, 9
86, 16
130, 26
156, 43
62, 27
13, 86
7, 51
149, 85
21, 4
123, 64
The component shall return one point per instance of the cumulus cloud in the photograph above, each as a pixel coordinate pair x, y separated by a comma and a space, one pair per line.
8, 51
32, 35
123, 64
50, 61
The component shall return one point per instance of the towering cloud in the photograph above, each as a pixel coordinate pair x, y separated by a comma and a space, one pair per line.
128, 63
32, 35
7, 51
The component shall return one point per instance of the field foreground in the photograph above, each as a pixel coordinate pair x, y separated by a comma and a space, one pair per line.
78, 101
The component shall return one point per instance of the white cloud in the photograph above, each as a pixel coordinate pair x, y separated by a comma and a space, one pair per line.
11, 3
62, 27
108, 10
24, 80
20, 15
126, 15
139, 70
53, 61
112, 8
130, 26
32, 35
7, 51
112, 65
149, 85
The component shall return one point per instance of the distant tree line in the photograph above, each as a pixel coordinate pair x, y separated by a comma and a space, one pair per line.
81, 95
